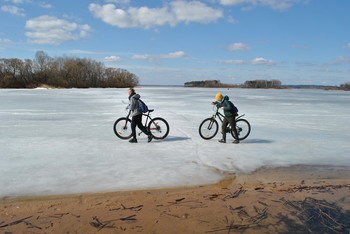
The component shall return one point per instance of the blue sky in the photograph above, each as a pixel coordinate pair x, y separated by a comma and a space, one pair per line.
173, 42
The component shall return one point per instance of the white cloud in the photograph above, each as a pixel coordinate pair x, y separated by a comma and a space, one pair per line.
112, 58
142, 57
4, 40
348, 46
194, 11
256, 61
17, 1
174, 55
232, 20
119, 1
262, 61
13, 10
45, 5
234, 2
51, 30
143, 17
238, 46
4, 43
343, 59
236, 62
274, 4
307, 64
154, 58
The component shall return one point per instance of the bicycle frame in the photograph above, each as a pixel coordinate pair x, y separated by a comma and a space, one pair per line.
148, 118
221, 116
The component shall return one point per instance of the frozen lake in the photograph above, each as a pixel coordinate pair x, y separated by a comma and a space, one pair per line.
62, 141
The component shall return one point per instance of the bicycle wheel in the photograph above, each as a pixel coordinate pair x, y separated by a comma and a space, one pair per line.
122, 128
159, 128
243, 129
208, 128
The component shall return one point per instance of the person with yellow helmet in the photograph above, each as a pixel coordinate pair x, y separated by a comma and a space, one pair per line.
218, 97
230, 116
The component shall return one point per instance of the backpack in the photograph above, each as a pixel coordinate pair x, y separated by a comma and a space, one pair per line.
234, 109
142, 106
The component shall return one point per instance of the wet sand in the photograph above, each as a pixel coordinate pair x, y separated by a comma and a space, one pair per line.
298, 199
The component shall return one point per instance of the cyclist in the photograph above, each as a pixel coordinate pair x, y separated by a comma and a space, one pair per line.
136, 116
230, 116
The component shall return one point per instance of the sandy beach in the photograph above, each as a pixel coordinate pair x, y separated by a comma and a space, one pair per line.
298, 199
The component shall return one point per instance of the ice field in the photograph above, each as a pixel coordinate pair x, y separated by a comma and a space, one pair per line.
61, 141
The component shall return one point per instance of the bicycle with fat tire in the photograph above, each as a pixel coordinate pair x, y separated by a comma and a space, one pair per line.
210, 127
158, 127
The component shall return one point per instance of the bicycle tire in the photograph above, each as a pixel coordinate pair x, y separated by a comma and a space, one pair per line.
208, 128
243, 129
159, 128
122, 130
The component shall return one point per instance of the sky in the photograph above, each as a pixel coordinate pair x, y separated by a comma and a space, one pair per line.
171, 42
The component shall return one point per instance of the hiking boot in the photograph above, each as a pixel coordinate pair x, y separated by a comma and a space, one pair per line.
150, 137
133, 140
222, 141
235, 141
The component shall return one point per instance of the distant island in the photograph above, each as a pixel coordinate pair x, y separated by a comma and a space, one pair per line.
262, 84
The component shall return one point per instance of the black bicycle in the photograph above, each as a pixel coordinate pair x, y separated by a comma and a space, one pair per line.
210, 127
158, 127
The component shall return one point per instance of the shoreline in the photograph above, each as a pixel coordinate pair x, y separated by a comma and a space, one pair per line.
268, 200
225, 180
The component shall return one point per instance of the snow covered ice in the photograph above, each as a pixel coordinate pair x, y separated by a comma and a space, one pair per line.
61, 141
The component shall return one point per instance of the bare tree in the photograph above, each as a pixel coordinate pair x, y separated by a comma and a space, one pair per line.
65, 72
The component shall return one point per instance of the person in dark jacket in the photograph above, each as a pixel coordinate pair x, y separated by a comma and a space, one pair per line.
230, 117
136, 116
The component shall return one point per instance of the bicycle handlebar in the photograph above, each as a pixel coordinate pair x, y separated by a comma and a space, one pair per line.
216, 109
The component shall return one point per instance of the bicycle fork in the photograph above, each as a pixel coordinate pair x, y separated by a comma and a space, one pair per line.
211, 123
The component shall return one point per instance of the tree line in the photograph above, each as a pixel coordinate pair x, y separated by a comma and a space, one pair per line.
63, 72
204, 83
248, 84
263, 84
345, 86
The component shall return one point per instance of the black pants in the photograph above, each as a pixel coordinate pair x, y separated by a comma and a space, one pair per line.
137, 121
232, 122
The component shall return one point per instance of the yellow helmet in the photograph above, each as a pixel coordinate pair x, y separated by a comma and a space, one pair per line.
218, 96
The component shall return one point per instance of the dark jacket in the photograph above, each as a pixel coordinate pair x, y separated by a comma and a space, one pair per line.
226, 105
